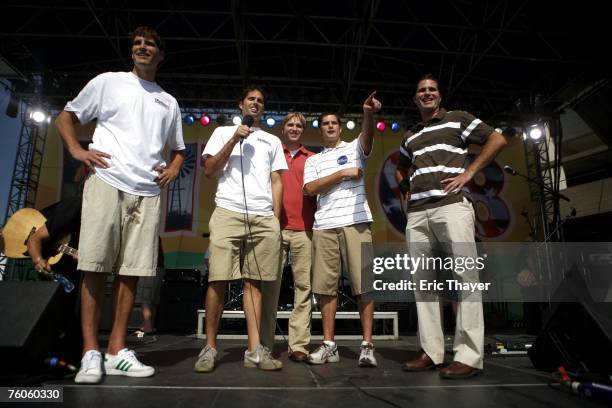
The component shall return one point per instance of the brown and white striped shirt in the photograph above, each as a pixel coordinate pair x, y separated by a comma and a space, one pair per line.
436, 150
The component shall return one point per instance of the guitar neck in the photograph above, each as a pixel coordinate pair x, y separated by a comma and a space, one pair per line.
65, 249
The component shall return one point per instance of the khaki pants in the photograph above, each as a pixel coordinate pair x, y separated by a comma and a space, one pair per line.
453, 223
299, 244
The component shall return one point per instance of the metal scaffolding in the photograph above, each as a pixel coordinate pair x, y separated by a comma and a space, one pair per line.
310, 58
541, 168
26, 174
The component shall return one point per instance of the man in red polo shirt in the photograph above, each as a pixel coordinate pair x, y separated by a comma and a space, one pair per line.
296, 224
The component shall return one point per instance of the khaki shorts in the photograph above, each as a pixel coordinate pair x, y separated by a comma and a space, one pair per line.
118, 230
336, 246
230, 241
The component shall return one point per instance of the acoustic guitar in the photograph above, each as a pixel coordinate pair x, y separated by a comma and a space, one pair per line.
20, 227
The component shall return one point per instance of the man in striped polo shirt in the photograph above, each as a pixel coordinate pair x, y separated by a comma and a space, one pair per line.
342, 224
432, 172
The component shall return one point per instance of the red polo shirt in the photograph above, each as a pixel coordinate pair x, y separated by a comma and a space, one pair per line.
298, 209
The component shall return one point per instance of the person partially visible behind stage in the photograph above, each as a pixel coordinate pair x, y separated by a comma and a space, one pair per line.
63, 220
147, 297
342, 224
136, 121
432, 171
245, 239
296, 224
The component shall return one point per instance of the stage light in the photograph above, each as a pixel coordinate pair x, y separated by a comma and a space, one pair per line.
350, 125
12, 108
395, 127
189, 119
38, 116
535, 133
270, 122
204, 120
381, 125
236, 120
315, 123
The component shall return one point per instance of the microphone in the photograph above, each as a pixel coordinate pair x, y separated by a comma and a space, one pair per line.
510, 170
248, 120
54, 362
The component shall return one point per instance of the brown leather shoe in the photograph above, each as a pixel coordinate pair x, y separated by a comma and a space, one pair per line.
422, 362
459, 370
298, 356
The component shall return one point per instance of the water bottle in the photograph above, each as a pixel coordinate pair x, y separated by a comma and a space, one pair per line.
65, 282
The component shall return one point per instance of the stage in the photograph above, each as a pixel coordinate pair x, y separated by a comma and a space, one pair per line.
506, 381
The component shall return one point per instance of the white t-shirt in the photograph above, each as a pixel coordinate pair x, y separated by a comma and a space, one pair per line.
136, 120
262, 153
346, 202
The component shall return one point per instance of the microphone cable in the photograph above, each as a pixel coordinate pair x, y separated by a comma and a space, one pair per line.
248, 120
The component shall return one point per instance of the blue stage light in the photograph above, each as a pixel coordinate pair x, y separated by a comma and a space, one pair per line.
189, 119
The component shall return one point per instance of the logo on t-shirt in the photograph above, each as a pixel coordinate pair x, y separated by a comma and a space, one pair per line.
162, 103
342, 160
263, 141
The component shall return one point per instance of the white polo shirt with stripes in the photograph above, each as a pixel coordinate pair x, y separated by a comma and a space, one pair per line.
346, 202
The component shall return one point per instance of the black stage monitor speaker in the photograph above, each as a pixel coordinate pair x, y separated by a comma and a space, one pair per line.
182, 275
181, 295
29, 323
578, 336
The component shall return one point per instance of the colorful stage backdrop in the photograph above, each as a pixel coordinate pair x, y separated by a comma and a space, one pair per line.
188, 203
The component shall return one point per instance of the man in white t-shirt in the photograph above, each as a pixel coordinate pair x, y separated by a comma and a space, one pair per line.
342, 225
136, 121
245, 237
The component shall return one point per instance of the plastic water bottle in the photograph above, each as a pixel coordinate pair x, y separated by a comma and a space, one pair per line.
65, 282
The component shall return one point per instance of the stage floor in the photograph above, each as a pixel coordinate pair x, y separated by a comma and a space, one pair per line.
506, 382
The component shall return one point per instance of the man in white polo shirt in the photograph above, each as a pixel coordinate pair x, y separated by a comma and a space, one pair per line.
342, 224
245, 236
136, 121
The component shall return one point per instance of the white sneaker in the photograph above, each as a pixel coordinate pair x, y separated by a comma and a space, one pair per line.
262, 359
206, 360
90, 371
126, 363
366, 357
324, 354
